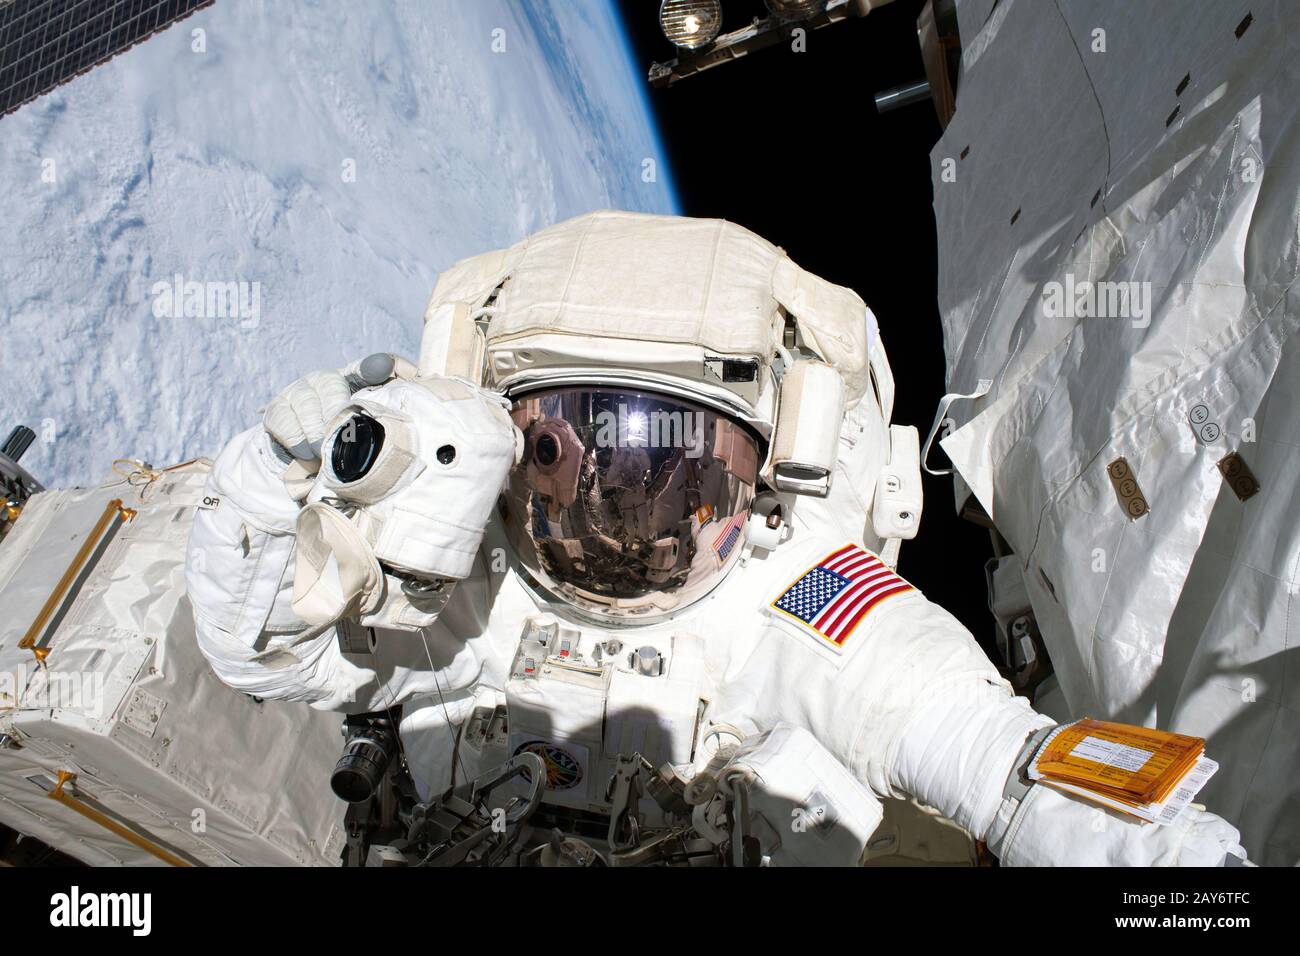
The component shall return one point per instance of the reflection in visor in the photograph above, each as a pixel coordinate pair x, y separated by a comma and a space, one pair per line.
628, 504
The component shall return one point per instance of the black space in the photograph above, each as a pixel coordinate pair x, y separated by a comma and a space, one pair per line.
790, 145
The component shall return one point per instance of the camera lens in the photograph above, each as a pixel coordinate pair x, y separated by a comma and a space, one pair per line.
356, 446
546, 451
365, 759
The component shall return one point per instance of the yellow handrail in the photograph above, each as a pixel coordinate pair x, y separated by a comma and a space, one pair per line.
112, 511
108, 823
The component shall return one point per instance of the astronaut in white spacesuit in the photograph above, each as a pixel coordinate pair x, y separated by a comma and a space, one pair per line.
640, 494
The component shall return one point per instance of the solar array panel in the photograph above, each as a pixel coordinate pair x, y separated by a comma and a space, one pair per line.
47, 42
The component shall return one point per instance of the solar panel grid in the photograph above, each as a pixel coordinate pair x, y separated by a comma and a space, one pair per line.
44, 43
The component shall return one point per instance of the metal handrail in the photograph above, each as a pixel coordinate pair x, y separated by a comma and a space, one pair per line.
114, 513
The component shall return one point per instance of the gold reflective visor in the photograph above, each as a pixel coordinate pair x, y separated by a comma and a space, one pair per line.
628, 505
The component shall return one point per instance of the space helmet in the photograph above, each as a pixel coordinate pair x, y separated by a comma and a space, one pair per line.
663, 371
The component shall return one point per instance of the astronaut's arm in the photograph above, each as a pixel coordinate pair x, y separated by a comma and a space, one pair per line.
239, 578
240, 560
964, 752
958, 741
914, 708
272, 575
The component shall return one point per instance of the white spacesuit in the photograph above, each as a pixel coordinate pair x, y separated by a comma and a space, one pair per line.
639, 496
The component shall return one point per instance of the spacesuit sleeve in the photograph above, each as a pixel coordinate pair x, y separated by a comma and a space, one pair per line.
913, 707
239, 579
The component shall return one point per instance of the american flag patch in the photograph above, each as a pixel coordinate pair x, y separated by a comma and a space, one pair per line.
833, 597
729, 534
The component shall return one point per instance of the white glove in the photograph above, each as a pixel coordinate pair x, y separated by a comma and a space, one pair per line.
1050, 828
961, 747
296, 418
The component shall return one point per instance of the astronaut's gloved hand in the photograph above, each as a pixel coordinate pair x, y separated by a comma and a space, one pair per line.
1051, 828
296, 418
965, 753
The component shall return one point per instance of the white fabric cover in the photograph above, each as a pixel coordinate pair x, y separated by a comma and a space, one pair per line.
699, 281
431, 521
153, 737
335, 573
1181, 618
653, 279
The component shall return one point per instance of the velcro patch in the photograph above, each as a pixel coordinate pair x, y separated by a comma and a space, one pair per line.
834, 596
